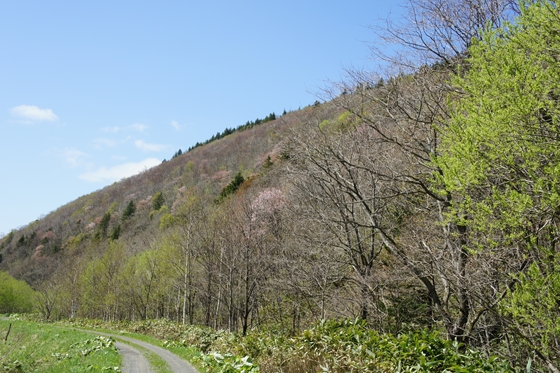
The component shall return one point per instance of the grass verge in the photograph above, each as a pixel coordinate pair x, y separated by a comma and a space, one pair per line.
37, 347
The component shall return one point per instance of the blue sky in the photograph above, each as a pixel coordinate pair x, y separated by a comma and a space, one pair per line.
94, 91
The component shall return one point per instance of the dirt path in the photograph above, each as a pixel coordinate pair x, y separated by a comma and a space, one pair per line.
132, 360
176, 364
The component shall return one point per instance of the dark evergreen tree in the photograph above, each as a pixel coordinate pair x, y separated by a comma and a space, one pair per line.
157, 201
104, 223
231, 188
116, 233
129, 210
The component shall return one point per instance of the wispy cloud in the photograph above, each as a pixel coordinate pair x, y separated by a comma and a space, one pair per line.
114, 129
176, 125
140, 144
73, 156
31, 113
116, 173
134, 126
138, 127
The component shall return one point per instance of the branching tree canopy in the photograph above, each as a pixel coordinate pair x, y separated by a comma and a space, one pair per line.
438, 31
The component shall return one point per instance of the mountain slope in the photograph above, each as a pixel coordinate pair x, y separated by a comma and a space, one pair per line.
35, 251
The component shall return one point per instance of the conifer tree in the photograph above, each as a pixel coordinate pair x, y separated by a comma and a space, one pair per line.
129, 211
157, 201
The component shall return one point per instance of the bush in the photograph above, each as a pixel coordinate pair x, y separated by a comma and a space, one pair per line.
15, 295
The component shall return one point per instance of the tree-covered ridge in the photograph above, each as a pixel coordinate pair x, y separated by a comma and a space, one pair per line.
229, 131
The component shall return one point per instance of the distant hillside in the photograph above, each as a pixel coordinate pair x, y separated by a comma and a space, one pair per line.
35, 251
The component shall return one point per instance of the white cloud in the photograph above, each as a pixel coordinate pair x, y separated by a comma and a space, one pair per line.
176, 125
111, 129
138, 127
140, 144
73, 156
33, 113
135, 127
119, 172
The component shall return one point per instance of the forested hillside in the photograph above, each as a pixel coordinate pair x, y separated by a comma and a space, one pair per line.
424, 197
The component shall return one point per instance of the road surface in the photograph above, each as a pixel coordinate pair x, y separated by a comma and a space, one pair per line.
133, 360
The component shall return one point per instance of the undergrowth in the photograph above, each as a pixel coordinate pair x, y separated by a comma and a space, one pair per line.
330, 346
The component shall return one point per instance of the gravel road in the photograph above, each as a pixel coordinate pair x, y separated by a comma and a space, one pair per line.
132, 364
132, 360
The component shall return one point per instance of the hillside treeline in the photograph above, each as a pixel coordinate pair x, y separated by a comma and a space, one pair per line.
423, 197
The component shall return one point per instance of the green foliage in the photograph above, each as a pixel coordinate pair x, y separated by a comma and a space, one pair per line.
228, 363
177, 153
113, 207
104, 223
103, 226
100, 281
129, 211
231, 188
268, 162
533, 307
345, 121
501, 155
21, 241
116, 233
167, 220
36, 347
164, 210
502, 151
157, 201
349, 346
76, 240
15, 295
330, 346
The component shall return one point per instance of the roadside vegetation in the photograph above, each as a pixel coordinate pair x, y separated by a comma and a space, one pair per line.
38, 347
329, 346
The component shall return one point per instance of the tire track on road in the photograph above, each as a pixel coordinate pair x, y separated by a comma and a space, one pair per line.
132, 360
176, 364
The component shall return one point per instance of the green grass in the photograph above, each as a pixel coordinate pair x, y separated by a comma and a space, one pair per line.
36, 347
